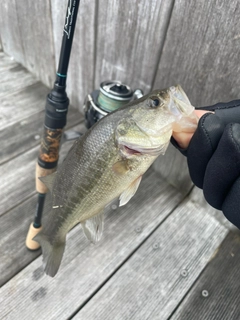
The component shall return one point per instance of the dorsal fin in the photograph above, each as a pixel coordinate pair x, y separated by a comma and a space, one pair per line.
48, 180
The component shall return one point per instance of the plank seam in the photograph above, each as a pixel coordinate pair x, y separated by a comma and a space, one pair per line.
163, 43
95, 43
126, 259
194, 282
37, 142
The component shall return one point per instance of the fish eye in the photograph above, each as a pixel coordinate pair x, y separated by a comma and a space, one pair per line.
154, 102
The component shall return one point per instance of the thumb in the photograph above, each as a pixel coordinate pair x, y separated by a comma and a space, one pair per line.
183, 138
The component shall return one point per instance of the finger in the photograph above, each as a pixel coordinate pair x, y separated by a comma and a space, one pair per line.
202, 146
182, 138
223, 168
231, 204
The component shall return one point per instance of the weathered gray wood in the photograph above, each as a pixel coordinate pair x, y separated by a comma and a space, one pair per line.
130, 37
26, 33
18, 176
201, 51
21, 112
82, 65
85, 267
173, 167
6, 62
26, 134
37, 38
10, 31
13, 229
196, 196
18, 105
155, 279
15, 79
15, 223
217, 292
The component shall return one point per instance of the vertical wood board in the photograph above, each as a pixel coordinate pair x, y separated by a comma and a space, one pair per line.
35, 28
10, 31
26, 33
201, 51
130, 36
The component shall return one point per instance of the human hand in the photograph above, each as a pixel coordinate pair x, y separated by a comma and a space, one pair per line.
213, 156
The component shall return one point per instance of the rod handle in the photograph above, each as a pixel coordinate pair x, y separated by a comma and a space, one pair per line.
41, 172
32, 232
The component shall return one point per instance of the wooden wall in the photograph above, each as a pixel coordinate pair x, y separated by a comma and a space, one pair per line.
147, 44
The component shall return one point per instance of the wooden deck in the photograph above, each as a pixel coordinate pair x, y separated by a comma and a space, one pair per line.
165, 255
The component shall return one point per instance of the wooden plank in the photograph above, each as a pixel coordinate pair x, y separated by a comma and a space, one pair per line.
10, 31
18, 177
216, 293
26, 33
14, 227
22, 113
15, 79
6, 62
35, 28
26, 134
156, 278
196, 196
86, 267
173, 167
82, 65
22, 103
130, 37
201, 51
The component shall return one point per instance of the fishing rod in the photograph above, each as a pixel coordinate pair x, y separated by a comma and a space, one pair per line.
56, 110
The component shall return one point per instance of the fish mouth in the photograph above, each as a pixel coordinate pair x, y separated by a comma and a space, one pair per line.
182, 105
132, 149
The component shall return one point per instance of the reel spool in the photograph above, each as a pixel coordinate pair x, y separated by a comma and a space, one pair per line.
111, 95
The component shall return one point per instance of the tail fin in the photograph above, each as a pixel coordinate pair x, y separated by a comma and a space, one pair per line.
52, 254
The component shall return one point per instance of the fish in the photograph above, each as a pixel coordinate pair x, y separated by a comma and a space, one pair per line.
108, 162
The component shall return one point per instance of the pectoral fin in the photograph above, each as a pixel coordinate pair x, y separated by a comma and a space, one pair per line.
93, 228
129, 192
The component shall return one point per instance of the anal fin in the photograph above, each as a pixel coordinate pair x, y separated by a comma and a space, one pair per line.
93, 228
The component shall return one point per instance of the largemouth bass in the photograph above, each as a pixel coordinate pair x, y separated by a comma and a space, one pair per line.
108, 162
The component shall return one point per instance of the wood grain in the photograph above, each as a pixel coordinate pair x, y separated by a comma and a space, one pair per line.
10, 31
26, 134
22, 110
152, 283
86, 267
216, 293
36, 32
26, 33
130, 37
14, 228
18, 176
201, 51
15, 79
173, 167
